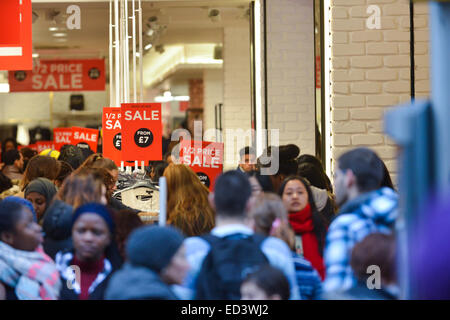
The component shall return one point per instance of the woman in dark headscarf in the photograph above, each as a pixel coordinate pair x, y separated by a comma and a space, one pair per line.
40, 193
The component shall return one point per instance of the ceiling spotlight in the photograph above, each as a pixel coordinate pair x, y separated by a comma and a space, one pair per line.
53, 29
148, 47
35, 55
150, 32
61, 40
60, 34
214, 15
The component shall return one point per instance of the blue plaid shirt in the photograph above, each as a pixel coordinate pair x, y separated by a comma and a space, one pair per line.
308, 278
371, 212
276, 251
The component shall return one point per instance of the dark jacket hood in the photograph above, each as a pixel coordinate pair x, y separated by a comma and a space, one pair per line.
137, 283
58, 220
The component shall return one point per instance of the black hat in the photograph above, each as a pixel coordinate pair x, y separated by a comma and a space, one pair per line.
153, 247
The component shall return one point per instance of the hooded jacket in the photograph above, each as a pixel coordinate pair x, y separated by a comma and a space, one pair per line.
57, 228
371, 212
138, 283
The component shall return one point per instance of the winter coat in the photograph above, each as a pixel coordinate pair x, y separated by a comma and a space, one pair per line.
57, 228
138, 283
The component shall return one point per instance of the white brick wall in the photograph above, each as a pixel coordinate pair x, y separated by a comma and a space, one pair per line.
290, 57
236, 86
370, 72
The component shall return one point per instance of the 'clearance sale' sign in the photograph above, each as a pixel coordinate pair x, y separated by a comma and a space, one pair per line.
62, 136
85, 138
205, 158
141, 131
112, 134
60, 75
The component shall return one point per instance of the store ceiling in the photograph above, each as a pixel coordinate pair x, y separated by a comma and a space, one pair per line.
178, 22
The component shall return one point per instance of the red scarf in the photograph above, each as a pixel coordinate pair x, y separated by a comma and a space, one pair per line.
302, 224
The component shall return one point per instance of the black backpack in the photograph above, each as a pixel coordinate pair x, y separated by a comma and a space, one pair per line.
228, 262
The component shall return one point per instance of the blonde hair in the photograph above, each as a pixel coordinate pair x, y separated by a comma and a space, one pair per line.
270, 218
187, 205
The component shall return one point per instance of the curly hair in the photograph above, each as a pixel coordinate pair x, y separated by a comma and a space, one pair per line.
187, 205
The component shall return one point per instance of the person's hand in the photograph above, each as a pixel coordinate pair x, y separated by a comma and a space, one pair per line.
1, 166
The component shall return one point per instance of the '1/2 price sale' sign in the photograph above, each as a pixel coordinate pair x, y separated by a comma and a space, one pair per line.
62, 136
112, 134
60, 75
205, 158
85, 138
141, 131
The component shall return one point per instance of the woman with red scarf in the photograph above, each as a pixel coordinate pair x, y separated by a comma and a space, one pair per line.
309, 226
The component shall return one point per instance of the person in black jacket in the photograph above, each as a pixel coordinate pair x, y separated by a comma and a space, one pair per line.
156, 260
86, 270
57, 227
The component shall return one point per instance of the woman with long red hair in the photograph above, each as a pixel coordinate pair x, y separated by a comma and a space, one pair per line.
188, 208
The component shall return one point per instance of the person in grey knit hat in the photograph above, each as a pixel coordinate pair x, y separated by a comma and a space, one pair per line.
156, 260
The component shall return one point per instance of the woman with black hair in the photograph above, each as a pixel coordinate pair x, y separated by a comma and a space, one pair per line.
305, 162
323, 196
308, 224
8, 144
259, 182
26, 272
281, 161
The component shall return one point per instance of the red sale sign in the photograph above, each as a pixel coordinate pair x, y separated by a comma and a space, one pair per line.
62, 136
60, 75
44, 145
141, 131
15, 35
112, 134
205, 158
85, 138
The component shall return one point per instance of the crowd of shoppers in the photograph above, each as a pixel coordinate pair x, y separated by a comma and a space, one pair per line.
288, 235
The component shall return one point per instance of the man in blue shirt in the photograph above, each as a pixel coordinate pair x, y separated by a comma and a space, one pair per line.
365, 207
232, 200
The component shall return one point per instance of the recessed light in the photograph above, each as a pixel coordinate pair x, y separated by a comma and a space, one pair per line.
4, 87
61, 40
35, 55
148, 47
60, 34
53, 29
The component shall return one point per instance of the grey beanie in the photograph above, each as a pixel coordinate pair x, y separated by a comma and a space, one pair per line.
153, 247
